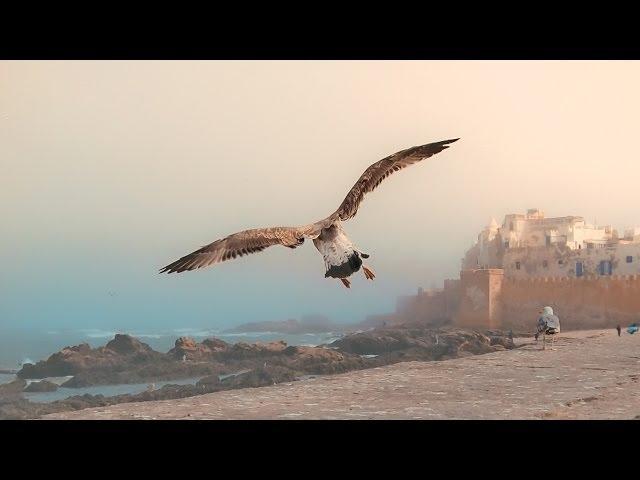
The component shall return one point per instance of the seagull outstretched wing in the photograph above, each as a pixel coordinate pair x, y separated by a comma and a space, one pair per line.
373, 176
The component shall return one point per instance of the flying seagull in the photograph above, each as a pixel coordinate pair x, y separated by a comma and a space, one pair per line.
341, 257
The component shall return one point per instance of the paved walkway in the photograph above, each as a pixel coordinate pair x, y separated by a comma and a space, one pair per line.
589, 375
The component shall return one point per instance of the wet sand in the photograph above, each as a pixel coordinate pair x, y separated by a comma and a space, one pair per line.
589, 375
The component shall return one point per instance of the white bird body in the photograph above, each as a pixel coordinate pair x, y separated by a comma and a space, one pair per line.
340, 256
548, 324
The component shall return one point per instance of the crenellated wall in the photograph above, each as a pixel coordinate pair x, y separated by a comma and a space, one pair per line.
491, 300
486, 298
580, 303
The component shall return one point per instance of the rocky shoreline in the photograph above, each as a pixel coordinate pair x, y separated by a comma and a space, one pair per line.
127, 360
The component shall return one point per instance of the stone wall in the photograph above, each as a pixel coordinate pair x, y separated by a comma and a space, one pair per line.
480, 292
491, 300
486, 298
580, 303
430, 306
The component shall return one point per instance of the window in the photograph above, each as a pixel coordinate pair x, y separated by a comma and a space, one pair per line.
629, 259
605, 267
579, 269
545, 264
517, 265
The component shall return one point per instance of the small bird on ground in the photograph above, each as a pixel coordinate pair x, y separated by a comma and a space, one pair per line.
342, 259
548, 324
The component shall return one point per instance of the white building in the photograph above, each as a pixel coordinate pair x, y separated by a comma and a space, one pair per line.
534, 246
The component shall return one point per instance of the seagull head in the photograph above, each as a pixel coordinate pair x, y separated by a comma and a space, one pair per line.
546, 310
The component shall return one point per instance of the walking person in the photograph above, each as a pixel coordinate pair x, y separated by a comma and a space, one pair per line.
619, 329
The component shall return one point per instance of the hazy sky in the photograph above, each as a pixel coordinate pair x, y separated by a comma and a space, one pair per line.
111, 170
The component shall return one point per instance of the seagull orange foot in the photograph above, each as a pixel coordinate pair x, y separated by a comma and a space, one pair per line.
370, 274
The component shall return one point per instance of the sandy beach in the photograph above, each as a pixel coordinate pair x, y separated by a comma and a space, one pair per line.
588, 375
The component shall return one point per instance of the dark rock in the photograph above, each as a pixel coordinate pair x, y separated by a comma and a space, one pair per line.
188, 349
209, 381
401, 344
127, 345
57, 365
260, 377
41, 386
242, 350
83, 348
82, 379
215, 344
119, 354
374, 342
12, 388
158, 370
313, 354
16, 409
186, 343
319, 360
502, 340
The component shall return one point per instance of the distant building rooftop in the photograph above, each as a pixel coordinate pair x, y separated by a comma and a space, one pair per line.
511, 245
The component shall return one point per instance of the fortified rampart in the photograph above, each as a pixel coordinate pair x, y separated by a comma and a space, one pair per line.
580, 303
489, 299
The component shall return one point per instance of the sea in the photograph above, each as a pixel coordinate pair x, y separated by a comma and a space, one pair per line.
18, 347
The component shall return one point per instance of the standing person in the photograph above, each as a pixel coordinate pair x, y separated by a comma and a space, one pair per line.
619, 329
